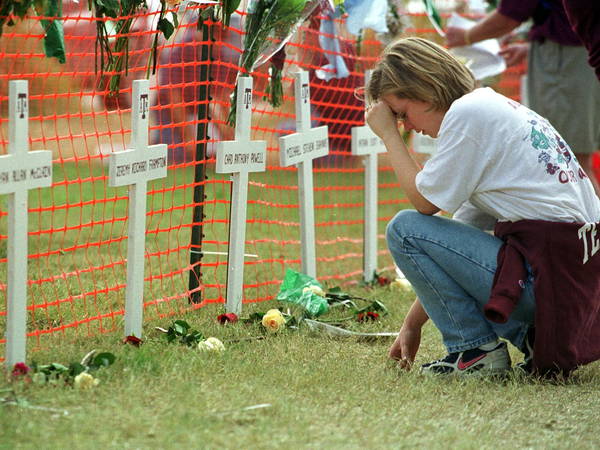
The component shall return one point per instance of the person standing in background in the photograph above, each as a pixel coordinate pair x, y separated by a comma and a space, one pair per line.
584, 17
561, 86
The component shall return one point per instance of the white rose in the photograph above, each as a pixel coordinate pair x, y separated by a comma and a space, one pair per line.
314, 289
39, 378
85, 381
212, 344
400, 284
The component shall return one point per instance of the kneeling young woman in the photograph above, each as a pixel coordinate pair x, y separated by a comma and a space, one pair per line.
534, 283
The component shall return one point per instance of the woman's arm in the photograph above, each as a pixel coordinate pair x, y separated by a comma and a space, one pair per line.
383, 122
405, 348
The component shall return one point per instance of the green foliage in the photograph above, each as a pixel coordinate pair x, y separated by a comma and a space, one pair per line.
266, 18
54, 373
54, 40
181, 332
228, 7
114, 57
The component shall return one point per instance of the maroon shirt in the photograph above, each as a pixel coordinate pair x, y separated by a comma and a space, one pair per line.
549, 19
584, 16
565, 259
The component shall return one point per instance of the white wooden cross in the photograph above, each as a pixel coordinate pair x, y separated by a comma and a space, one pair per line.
368, 144
301, 148
134, 167
239, 157
20, 170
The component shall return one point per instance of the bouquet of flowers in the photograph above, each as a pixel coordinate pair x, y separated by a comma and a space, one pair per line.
268, 26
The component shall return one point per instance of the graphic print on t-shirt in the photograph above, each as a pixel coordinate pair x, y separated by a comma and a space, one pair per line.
553, 153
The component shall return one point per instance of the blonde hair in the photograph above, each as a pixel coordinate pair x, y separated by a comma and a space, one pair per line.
417, 69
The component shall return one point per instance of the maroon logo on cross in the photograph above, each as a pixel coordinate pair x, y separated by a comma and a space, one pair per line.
247, 97
143, 105
21, 105
305, 92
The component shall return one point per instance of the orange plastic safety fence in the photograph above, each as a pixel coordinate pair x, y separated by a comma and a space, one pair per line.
78, 227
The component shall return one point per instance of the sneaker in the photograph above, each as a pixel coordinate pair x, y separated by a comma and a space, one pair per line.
527, 364
471, 361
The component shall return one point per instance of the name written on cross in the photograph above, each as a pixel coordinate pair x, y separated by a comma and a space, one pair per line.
140, 166
242, 154
35, 173
307, 143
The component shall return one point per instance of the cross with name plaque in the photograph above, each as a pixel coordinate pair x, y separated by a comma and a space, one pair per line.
239, 157
301, 148
20, 171
134, 167
368, 144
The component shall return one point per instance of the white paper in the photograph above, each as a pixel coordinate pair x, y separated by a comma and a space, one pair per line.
482, 58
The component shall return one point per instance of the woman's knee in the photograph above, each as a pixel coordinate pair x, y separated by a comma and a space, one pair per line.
403, 224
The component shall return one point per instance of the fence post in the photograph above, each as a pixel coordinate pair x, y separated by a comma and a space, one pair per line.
195, 294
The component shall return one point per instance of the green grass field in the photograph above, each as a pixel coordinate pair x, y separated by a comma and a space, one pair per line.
315, 392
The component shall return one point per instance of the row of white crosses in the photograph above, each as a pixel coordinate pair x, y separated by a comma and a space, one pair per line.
243, 155
22, 170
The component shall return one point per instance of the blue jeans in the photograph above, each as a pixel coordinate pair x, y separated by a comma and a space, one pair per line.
451, 268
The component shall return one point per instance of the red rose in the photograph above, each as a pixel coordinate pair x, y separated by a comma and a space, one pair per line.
365, 317
229, 317
20, 369
383, 281
133, 340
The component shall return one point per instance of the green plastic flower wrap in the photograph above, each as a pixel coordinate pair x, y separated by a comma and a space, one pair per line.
305, 291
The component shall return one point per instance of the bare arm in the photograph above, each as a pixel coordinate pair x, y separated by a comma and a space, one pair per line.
383, 122
493, 25
405, 348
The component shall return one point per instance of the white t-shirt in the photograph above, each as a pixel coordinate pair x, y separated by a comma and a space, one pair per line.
508, 162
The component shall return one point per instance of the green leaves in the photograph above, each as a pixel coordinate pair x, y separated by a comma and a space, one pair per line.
102, 360
180, 331
54, 373
166, 27
54, 39
107, 8
228, 7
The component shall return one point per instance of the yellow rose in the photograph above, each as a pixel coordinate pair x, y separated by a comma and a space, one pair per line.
315, 290
273, 320
85, 381
212, 344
